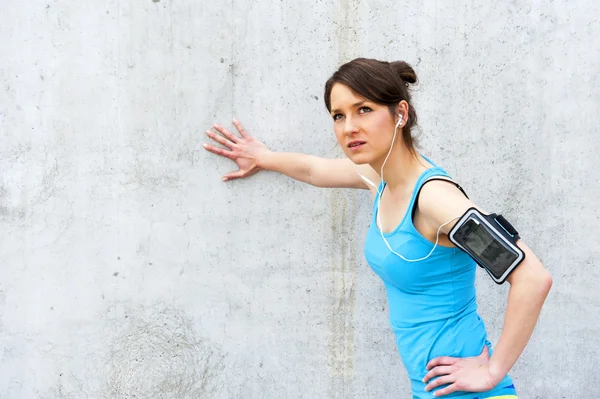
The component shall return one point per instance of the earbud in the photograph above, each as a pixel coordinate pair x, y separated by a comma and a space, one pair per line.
399, 120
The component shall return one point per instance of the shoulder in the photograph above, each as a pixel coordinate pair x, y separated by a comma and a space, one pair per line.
441, 200
439, 188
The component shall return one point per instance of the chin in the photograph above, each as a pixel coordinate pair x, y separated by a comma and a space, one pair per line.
359, 159
359, 162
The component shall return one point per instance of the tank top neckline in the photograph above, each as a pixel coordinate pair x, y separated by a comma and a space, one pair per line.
410, 204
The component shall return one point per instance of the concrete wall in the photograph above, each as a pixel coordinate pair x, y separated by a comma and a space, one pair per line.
128, 269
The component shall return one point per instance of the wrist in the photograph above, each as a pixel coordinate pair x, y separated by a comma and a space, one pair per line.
495, 371
262, 160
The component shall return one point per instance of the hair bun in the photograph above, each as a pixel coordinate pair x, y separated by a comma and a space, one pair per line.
406, 72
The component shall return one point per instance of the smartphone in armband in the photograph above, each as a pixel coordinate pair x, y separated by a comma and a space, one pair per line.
490, 240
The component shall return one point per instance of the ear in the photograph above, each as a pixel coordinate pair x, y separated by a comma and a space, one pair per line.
402, 109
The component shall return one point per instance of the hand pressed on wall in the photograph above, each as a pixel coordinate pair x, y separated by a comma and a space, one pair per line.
245, 151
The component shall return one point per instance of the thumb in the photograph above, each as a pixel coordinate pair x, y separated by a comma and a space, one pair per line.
485, 353
233, 175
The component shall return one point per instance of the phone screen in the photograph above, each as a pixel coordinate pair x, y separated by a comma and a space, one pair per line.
496, 257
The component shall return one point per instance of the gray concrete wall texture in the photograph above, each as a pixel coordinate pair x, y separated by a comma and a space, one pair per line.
129, 270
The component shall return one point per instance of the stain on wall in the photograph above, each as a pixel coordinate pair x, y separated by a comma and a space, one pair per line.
146, 352
342, 206
18, 199
347, 29
157, 354
340, 345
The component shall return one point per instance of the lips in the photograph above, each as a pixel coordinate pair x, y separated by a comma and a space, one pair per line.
355, 143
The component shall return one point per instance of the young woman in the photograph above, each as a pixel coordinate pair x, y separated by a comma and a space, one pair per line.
430, 283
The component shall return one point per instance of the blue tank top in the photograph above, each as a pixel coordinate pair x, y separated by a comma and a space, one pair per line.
432, 305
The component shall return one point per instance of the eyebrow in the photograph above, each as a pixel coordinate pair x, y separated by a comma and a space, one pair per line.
353, 105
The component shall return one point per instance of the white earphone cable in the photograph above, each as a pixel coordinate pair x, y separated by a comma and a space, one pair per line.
378, 199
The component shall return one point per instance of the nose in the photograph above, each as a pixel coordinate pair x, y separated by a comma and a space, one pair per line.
350, 126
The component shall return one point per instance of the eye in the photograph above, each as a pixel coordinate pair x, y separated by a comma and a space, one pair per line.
367, 109
335, 117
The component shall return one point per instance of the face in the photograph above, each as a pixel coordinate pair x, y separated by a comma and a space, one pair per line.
363, 129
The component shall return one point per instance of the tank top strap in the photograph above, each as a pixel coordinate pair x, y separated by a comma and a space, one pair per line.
429, 174
435, 173
379, 190
376, 203
425, 176
429, 160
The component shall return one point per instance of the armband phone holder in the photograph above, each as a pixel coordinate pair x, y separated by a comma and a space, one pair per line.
490, 240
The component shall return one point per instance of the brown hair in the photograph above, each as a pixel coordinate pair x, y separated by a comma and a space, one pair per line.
382, 82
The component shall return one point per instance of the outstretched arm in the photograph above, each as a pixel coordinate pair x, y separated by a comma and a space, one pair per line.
529, 286
251, 156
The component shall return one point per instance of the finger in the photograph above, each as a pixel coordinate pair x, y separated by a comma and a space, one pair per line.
234, 175
240, 128
445, 380
219, 151
218, 138
439, 370
445, 391
441, 361
226, 133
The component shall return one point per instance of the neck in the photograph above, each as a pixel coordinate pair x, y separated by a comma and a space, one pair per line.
401, 169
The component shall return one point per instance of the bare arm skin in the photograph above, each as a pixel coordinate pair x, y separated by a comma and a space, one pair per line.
529, 287
251, 156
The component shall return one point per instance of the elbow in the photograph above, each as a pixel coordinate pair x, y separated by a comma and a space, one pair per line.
532, 276
544, 283
540, 283
535, 281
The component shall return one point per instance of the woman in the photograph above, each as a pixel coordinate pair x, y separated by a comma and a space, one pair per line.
430, 283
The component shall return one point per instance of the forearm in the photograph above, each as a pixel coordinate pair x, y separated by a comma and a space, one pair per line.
317, 171
525, 301
295, 165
